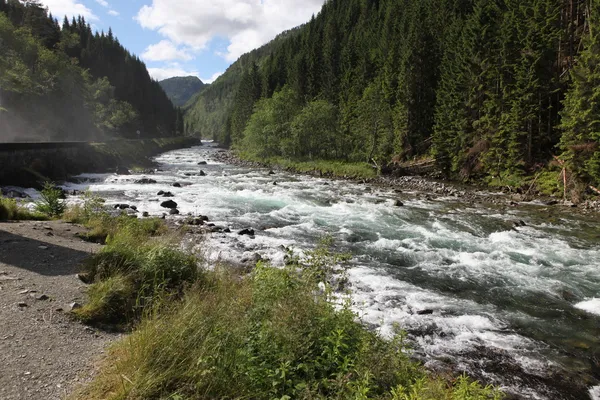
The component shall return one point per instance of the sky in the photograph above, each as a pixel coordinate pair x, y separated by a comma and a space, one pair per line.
189, 37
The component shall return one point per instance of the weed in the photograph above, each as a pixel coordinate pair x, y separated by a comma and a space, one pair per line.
52, 203
10, 210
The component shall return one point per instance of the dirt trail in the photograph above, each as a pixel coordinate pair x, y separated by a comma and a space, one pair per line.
43, 352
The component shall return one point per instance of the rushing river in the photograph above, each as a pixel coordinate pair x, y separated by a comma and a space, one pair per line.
519, 307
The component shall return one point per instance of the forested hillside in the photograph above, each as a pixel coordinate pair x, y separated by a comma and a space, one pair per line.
493, 90
181, 89
68, 83
209, 114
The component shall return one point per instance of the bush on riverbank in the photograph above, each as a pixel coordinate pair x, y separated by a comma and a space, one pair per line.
10, 210
137, 267
329, 168
272, 334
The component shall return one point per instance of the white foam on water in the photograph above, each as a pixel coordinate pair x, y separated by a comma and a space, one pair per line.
594, 393
470, 247
592, 306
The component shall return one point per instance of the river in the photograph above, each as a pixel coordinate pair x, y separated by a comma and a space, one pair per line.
515, 306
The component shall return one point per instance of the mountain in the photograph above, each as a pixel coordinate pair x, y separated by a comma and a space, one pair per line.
207, 113
492, 90
181, 89
69, 83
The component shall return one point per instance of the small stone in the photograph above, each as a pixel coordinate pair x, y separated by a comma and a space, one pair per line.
202, 163
168, 204
398, 203
202, 173
49, 234
24, 291
160, 193
425, 312
271, 172
74, 306
145, 214
178, 185
43, 247
247, 231
22, 304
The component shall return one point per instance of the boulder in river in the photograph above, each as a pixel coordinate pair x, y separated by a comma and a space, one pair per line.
120, 170
160, 193
425, 312
398, 203
202, 173
202, 163
271, 172
247, 232
174, 211
145, 181
176, 184
145, 214
168, 204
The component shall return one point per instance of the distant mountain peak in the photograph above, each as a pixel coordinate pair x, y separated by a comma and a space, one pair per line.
181, 89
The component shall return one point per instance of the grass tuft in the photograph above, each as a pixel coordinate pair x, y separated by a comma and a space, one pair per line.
134, 271
10, 210
270, 335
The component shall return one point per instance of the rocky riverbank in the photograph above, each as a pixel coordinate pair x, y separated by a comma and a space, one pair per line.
431, 188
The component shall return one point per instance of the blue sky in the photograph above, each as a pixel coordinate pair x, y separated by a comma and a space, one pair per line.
189, 37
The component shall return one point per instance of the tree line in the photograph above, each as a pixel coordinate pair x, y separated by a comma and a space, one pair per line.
65, 82
492, 90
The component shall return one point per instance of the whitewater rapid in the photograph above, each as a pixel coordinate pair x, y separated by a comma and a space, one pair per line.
517, 306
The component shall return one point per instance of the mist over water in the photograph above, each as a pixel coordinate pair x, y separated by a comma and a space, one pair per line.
519, 307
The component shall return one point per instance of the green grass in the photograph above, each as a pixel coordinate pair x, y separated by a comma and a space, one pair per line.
138, 267
330, 168
10, 210
270, 335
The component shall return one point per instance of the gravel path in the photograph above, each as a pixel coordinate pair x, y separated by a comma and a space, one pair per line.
43, 352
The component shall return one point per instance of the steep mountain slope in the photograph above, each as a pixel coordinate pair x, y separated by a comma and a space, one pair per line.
207, 113
181, 89
479, 85
69, 83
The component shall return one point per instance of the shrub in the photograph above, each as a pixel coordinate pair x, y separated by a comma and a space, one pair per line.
149, 268
271, 335
11, 210
52, 203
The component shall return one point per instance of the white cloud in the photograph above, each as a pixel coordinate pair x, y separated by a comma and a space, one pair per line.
165, 51
247, 24
70, 8
113, 13
212, 78
168, 72
103, 3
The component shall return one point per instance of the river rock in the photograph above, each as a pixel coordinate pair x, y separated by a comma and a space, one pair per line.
271, 172
168, 194
168, 204
160, 193
425, 312
123, 206
145, 181
398, 203
176, 184
202, 173
120, 170
145, 214
247, 232
134, 208
202, 163
195, 221
174, 211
